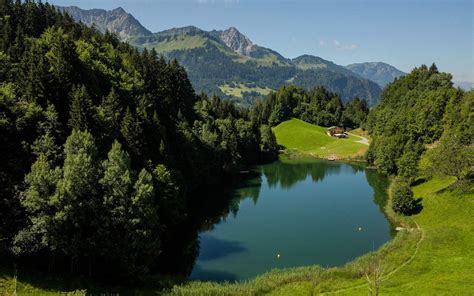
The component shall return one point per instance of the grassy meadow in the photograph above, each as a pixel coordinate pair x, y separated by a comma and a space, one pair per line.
237, 90
305, 138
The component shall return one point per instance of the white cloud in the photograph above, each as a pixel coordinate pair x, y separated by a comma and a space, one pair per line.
343, 46
322, 43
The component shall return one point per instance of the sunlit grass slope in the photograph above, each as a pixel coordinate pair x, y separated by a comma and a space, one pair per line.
238, 89
178, 43
295, 134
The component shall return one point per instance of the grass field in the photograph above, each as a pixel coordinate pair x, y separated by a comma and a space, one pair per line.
297, 135
182, 42
360, 132
240, 88
267, 60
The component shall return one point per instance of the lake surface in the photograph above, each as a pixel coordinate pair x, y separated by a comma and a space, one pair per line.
306, 211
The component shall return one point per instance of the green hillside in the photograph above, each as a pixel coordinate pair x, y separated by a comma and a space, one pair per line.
238, 90
311, 139
180, 42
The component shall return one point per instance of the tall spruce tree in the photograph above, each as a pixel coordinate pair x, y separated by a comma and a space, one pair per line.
81, 111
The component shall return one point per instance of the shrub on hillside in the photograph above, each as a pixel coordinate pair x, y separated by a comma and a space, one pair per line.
402, 199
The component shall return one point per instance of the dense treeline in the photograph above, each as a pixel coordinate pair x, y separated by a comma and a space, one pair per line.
419, 111
316, 106
346, 86
103, 146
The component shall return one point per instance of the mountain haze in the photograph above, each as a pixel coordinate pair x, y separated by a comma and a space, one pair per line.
228, 63
379, 72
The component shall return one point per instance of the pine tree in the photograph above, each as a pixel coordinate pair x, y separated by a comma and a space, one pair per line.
109, 115
117, 188
132, 132
81, 112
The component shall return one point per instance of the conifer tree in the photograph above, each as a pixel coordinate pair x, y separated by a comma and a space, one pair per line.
81, 111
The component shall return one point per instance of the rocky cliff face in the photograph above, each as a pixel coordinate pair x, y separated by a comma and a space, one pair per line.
236, 41
116, 20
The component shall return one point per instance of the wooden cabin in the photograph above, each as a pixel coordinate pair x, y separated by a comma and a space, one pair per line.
336, 131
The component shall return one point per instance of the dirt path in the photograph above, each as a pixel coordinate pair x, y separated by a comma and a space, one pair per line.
362, 140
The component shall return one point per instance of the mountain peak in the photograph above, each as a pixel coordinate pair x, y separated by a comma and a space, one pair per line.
119, 10
237, 41
233, 30
116, 20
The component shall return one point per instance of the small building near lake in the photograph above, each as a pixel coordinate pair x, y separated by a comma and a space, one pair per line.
336, 131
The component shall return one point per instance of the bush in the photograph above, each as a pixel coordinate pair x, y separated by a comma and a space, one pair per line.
402, 199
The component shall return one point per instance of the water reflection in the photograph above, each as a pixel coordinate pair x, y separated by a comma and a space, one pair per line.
223, 203
287, 173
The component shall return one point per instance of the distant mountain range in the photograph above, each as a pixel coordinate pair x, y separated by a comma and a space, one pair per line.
466, 85
379, 72
229, 64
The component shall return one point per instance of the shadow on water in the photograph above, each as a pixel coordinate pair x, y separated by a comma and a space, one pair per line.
214, 248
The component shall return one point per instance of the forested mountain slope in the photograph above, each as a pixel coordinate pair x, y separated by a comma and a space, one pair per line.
229, 64
104, 147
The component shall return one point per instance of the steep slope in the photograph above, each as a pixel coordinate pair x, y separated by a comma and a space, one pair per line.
236, 41
116, 20
228, 63
379, 72
319, 72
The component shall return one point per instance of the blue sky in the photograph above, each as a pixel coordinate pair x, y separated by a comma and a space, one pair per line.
404, 33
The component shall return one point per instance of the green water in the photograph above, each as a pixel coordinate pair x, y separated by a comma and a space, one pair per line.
307, 211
